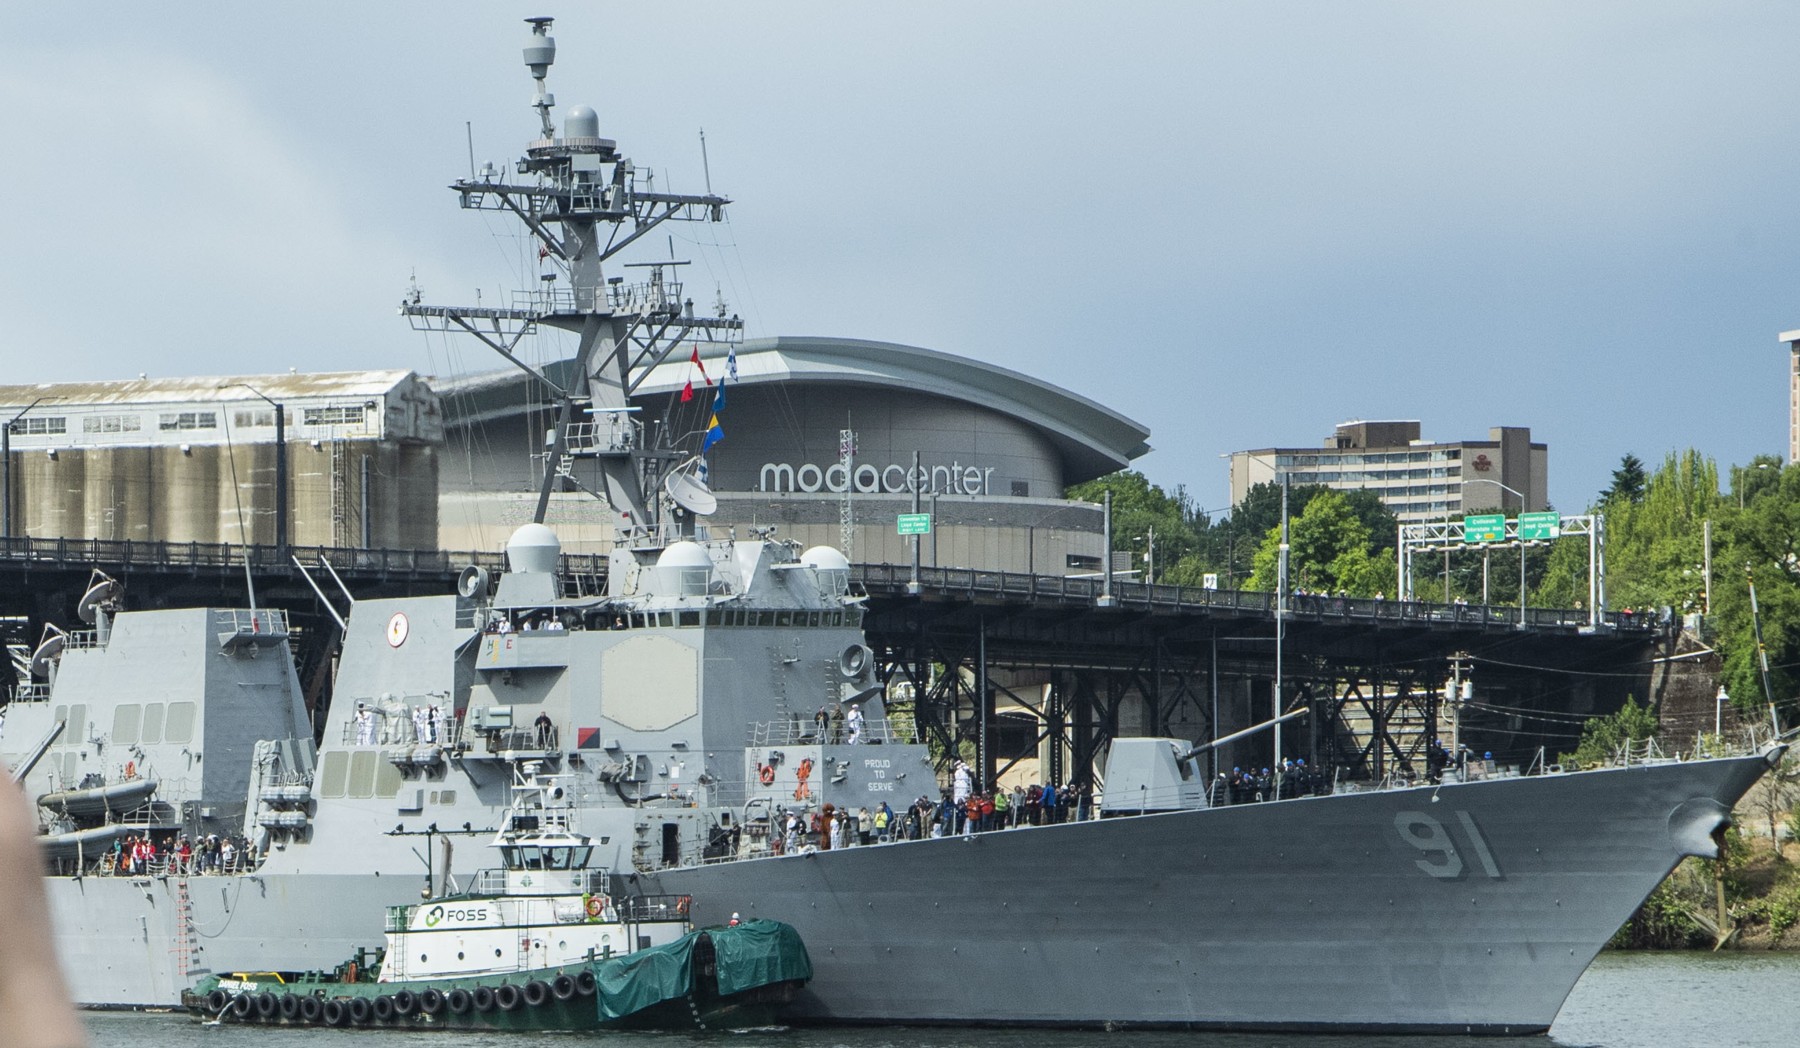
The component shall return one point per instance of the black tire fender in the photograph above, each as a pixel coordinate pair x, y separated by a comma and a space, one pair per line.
507, 997
266, 1005
563, 986
431, 1001
217, 1000
359, 1010
242, 1005
382, 1008
290, 1006
535, 993
459, 1001
483, 999
310, 1009
334, 1012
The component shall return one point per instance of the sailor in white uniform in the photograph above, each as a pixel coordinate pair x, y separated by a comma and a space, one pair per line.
854, 721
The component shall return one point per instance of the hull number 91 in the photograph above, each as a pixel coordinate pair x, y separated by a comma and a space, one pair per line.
1439, 854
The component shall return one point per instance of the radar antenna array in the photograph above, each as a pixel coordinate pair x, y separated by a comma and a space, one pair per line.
585, 202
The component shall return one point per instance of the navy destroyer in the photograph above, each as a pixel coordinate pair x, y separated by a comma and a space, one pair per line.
679, 699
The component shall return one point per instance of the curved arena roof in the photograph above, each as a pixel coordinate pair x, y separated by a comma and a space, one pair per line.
1093, 440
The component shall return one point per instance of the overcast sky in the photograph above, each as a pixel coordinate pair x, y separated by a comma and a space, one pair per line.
1237, 223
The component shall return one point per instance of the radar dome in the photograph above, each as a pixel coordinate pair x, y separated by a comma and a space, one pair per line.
582, 122
685, 568
533, 548
825, 558
684, 555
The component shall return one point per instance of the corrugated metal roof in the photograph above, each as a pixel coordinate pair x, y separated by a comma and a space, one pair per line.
220, 388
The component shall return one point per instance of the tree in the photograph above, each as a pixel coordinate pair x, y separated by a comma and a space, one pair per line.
1603, 737
1329, 550
1138, 507
1627, 481
1653, 543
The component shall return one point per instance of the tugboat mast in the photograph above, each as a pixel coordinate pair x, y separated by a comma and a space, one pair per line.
584, 204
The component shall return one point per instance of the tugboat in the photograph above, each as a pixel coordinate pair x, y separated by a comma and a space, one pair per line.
538, 944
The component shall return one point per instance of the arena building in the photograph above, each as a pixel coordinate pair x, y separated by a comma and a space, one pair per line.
995, 448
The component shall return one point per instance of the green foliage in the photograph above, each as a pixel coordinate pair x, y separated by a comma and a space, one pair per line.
1330, 549
1603, 737
1666, 919
1654, 543
1139, 508
1627, 481
1758, 531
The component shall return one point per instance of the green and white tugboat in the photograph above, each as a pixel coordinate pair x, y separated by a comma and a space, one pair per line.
539, 944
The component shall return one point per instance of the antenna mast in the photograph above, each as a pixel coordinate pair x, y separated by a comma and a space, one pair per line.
584, 202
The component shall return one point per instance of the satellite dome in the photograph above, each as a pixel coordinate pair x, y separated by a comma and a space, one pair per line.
581, 122
825, 558
685, 569
533, 548
684, 555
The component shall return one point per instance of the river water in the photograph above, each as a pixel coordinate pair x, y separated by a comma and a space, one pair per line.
1626, 1000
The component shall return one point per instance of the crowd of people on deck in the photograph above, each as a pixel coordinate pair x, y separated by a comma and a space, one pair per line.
959, 810
1251, 785
140, 855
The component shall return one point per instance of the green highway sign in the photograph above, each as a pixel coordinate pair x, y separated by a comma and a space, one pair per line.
1540, 525
1484, 527
913, 524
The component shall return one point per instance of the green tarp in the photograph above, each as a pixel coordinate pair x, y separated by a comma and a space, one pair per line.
755, 953
627, 985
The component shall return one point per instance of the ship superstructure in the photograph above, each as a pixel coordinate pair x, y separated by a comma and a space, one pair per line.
714, 688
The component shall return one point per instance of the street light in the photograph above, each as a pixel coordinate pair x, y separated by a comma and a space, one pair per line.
6, 466
281, 467
1521, 496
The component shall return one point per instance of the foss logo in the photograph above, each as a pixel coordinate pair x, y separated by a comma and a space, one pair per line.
456, 915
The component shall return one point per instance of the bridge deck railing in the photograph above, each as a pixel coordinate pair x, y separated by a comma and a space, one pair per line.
881, 579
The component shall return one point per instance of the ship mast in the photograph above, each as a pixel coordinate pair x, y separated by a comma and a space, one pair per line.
584, 202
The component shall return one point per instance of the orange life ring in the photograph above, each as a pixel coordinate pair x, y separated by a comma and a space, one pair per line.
766, 773
681, 904
596, 906
131, 769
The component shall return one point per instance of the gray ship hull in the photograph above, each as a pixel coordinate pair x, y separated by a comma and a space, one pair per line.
1473, 907
1341, 913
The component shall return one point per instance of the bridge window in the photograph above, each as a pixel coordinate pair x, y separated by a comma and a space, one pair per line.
153, 721
179, 725
331, 773
253, 417
125, 724
362, 774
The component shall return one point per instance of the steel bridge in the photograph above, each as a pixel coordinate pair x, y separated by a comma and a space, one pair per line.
1012, 668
